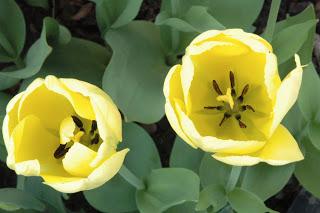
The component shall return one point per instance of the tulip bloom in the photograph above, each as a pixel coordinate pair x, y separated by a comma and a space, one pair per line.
227, 98
65, 131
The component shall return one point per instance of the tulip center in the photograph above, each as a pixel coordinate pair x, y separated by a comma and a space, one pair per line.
231, 104
76, 130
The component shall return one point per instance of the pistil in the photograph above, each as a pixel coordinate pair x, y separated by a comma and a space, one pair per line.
232, 105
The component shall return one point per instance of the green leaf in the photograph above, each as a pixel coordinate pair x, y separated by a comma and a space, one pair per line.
212, 195
80, 59
235, 13
42, 192
117, 190
187, 207
52, 34
246, 202
314, 134
167, 187
115, 13
285, 48
213, 171
12, 31
183, 155
14, 199
264, 180
294, 120
4, 99
272, 19
39, 3
197, 19
307, 171
138, 62
309, 97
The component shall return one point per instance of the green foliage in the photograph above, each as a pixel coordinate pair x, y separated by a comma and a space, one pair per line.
115, 189
246, 202
38, 3
183, 155
138, 62
212, 196
167, 187
4, 99
13, 199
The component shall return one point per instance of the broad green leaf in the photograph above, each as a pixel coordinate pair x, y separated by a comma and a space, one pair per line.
14, 199
213, 172
4, 99
167, 187
117, 190
235, 13
52, 34
246, 202
188, 207
134, 77
264, 180
314, 134
12, 31
197, 19
42, 192
80, 59
183, 155
294, 120
309, 97
212, 196
307, 171
7, 82
285, 48
115, 13
38, 3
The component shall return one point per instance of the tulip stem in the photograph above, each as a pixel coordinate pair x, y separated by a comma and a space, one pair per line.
131, 178
233, 178
272, 19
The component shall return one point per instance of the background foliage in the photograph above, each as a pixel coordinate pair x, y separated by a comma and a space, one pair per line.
122, 47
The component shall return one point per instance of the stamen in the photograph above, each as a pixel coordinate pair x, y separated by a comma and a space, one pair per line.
216, 87
78, 122
245, 107
231, 76
241, 124
61, 151
95, 140
225, 117
93, 127
220, 108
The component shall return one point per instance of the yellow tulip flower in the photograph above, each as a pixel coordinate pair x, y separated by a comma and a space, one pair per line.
227, 98
65, 131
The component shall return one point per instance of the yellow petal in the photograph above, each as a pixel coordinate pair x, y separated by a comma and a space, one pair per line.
32, 145
271, 76
98, 177
106, 112
172, 90
67, 128
213, 144
77, 160
280, 149
50, 107
80, 103
287, 94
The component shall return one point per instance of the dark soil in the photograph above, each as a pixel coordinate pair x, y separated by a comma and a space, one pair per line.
79, 17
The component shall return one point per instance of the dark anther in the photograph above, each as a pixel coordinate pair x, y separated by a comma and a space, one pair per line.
215, 107
95, 140
93, 127
61, 151
78, 122
245, 107
245, 90
231, 76
216, 87
241, 124
225, 117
